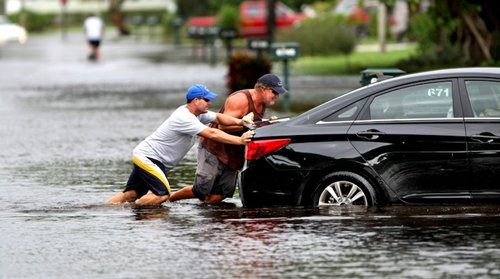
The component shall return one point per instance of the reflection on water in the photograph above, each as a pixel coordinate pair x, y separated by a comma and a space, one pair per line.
191, 239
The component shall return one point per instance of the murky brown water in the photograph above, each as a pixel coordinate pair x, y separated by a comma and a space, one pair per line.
65, 148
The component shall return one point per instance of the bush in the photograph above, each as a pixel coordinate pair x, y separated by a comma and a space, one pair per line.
434, 57
228, 17
491, 63
33, 21
245, 70
326, 35
166, 23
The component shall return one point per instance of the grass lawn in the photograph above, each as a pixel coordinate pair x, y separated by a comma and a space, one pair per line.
351, 65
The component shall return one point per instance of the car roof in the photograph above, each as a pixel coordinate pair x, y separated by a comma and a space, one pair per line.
321, 111
457, 72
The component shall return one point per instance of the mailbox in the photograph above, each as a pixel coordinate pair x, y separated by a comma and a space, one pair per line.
198, 32
177, 22
370, 75
228, 33
258, 43
285, 51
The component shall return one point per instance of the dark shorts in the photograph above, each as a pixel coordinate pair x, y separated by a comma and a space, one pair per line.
213, 176
95, 43
148, 174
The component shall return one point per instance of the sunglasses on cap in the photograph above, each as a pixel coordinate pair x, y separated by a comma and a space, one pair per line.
204, 99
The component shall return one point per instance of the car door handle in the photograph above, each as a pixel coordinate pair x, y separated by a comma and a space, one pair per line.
485, 137
370, 134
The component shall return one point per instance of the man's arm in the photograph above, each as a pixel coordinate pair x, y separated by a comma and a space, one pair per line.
231, 121
220, 136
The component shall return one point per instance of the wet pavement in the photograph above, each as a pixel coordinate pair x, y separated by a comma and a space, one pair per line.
67, 130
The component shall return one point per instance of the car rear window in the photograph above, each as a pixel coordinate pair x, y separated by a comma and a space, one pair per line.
347, 113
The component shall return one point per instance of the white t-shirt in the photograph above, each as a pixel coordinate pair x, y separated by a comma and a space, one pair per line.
93, 28
173, 139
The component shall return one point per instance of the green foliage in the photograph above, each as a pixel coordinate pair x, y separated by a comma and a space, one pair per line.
491, 63
32, 21
325, 35
245, 70
435, 31
430, 28
434, 57
228, 17
321, 7
166, 23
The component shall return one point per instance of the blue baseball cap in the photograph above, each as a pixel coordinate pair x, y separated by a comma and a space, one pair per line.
272, 81
200, 91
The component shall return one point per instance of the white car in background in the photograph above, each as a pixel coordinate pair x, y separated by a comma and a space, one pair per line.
11, 32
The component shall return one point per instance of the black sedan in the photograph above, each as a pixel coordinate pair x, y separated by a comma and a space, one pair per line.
431, 137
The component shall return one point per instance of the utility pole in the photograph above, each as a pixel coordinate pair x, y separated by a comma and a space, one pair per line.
64, 21
382, 26
3, 7
271, 22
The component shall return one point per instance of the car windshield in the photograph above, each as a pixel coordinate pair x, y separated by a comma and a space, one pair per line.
4, 20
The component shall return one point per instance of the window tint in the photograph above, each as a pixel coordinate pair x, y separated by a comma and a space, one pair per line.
422, 101
347, 113
277, 12
253, 11
484, 97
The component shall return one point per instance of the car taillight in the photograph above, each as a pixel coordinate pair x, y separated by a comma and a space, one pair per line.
258, 148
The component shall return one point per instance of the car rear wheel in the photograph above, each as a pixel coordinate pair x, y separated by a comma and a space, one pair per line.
343, 189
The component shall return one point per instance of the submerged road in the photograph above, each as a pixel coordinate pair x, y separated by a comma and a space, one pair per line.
67, 131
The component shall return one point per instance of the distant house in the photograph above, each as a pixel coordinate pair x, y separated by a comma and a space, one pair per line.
86, 6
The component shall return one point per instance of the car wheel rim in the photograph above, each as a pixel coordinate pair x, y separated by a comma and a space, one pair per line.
342, 193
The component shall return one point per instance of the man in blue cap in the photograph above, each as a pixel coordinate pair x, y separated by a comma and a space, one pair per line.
162, 150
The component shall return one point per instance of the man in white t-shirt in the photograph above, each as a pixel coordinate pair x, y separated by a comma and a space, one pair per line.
162, 150
94, 30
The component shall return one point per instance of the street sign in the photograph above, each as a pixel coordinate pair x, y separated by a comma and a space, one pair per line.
285, 51
177, 21
198, 32
258, 43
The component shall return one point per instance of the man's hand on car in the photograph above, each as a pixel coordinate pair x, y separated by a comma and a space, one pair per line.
248, 119
247, 137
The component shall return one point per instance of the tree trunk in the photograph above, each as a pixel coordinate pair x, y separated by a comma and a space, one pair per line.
114, 9
471, 27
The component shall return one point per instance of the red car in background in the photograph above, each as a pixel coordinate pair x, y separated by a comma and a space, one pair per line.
253, 18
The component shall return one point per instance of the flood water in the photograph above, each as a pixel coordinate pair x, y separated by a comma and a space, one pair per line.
67, 130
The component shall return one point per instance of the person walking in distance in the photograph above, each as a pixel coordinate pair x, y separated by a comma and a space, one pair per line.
94, 31
218, 162
155, 156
